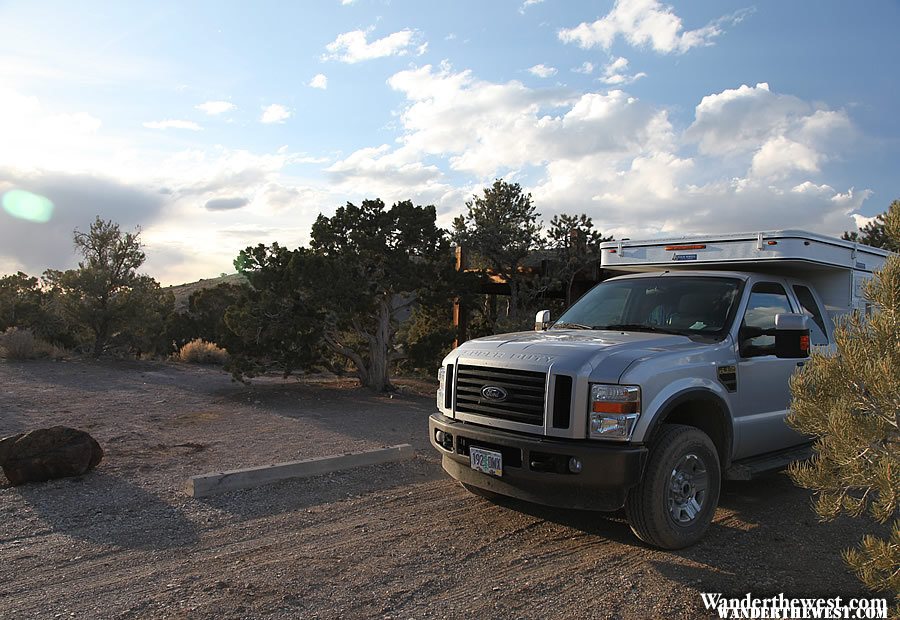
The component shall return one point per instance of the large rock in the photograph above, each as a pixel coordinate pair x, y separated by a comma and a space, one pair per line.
48, 453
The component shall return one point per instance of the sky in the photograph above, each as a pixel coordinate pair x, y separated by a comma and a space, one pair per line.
214, 125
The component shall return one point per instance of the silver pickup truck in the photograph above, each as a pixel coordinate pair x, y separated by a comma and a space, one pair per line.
655, 386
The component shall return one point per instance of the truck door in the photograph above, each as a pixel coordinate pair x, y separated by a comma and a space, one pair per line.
763, 393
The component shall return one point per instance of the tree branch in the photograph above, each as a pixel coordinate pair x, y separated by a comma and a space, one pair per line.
347, 352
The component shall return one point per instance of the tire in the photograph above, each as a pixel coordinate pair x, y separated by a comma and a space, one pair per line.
668, 508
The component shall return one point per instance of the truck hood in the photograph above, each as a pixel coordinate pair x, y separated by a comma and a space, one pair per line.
604, 355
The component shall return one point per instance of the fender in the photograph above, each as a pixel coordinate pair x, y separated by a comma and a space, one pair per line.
695, 394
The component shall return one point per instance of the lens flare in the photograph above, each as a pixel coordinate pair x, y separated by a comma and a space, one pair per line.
27, 206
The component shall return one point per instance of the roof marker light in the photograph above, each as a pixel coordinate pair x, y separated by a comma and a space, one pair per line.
697, 246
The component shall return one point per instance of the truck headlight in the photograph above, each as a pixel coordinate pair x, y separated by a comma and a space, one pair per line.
614, 411
442, 379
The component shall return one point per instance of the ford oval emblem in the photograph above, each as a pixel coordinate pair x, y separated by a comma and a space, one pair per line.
494, 393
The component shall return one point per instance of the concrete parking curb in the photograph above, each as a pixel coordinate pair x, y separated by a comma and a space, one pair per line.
219, 482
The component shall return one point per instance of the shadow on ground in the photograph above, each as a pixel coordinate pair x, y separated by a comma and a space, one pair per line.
386, 419
108, 510
754, 519
306, 493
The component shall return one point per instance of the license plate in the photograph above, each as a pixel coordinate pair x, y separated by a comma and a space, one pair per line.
486, 461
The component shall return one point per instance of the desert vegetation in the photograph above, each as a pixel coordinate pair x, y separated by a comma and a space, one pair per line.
372, 296
200, 351
851, 402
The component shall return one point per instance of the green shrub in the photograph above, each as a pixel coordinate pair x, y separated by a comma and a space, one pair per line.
849, 401
202, 352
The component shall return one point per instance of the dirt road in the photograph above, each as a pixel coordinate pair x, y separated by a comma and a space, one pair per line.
394, 541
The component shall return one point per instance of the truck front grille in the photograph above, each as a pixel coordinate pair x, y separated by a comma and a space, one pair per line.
524, 400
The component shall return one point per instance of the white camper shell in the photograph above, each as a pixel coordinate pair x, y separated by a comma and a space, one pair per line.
836, 268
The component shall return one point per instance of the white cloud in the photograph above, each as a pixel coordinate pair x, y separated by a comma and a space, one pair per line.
220, 170
739, 119
173, 124
39, 136
586, 68
309, 159
488, 129
214, 108
645, 23
222, 200
616, 158
752, 159
377, 161
320, 80
527, 4
862, 221
275, 113
780, 156
352, 47
66, 155
542, 71
614, 73
784, 135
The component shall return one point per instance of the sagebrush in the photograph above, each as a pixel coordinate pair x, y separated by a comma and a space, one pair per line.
202, 352
22, 344
18, 344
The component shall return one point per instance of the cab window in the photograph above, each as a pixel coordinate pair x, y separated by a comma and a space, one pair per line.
811, 309
766, 300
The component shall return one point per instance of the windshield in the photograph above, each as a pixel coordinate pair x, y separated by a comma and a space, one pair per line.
699, 307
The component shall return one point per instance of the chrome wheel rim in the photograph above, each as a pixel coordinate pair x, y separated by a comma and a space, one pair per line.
686, 492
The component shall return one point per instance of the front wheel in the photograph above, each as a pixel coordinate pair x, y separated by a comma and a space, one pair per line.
674, 503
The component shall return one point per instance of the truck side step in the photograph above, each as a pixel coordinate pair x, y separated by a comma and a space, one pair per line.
748, 469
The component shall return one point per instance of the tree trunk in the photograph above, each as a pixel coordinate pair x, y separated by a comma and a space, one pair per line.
569, 285
374, 373
362, 372
380, 351
513, 314
100, 340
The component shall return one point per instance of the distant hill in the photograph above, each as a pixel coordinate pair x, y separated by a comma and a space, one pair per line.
183, 292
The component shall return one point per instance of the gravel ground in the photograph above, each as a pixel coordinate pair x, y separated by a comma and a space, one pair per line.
395, 541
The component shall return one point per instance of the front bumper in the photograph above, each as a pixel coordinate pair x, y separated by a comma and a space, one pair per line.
535, 469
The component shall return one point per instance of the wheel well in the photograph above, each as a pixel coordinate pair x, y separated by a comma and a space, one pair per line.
708, 416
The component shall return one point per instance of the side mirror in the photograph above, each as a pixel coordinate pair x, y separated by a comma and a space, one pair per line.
791, 336
542, 320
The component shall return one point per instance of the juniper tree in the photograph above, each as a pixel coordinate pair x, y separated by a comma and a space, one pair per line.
501, 228
875, 233
21, 299
106, 295
850, 401
576, 244
345, 294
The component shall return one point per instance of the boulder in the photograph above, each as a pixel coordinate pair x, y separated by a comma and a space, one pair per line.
48, 453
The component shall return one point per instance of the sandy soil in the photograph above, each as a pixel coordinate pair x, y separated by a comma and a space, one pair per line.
393, 541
